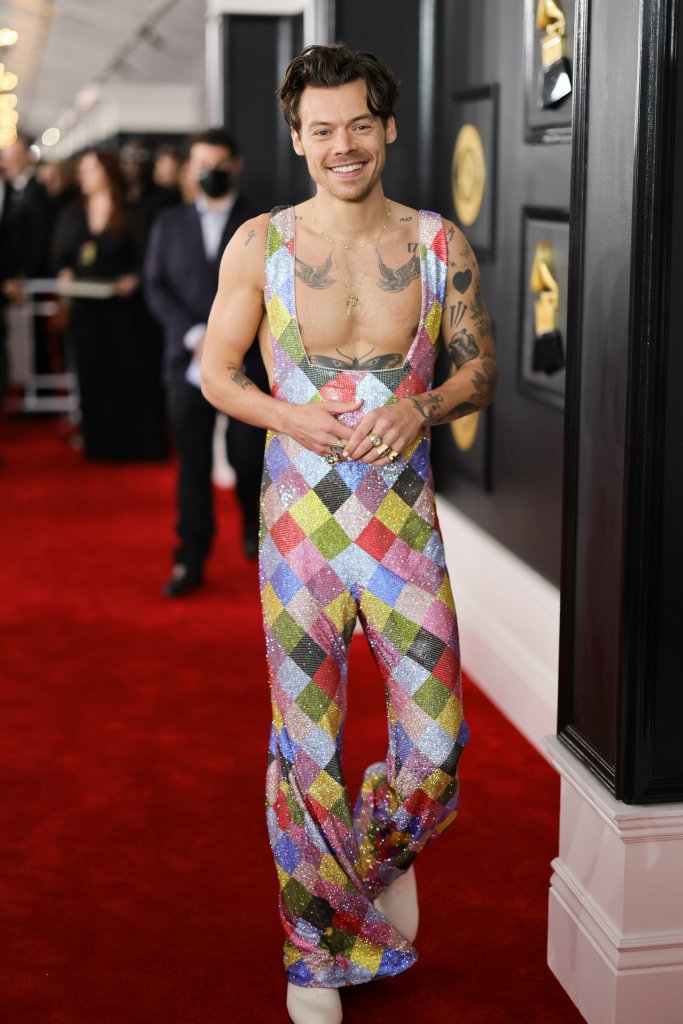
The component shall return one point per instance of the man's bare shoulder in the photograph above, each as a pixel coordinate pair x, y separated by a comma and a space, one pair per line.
403, 215
252, 234
459, 249
244, 256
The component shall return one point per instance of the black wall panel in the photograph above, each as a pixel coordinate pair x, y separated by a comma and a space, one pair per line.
257, 50
481, 43
391, 30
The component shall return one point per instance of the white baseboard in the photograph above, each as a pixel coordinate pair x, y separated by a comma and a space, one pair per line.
509, 619
615, 932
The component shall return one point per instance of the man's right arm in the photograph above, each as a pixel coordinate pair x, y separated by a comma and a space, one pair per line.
234, 321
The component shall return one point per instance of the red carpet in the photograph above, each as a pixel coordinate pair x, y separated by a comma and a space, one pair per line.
136, 884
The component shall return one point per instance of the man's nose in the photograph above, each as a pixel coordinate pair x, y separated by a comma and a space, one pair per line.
343, 141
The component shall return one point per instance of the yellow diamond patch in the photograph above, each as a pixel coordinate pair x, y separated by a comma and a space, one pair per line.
310, 512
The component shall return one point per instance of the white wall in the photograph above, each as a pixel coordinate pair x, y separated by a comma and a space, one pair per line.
509, 618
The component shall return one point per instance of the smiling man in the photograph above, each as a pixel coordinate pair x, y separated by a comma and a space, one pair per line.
351, 294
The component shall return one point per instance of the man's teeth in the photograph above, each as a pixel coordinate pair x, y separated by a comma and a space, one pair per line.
347, 168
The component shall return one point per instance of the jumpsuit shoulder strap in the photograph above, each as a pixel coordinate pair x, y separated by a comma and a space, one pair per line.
434, 254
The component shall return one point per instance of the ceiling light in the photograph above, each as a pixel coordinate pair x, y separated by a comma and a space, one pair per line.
8, 118
8, 101
7, 136
8, 81
51, 136
8, 37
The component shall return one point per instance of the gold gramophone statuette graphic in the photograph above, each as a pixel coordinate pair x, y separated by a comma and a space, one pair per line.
555, 77
468, 174
548, 352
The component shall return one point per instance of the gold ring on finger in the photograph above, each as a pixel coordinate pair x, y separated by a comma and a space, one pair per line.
332, 459
392, 455
375, 440
337, 446
382, 449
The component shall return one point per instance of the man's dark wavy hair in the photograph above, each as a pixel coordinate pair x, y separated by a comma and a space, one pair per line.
330, 66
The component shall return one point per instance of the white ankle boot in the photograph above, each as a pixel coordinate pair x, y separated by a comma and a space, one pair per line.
399, 904
314, 1005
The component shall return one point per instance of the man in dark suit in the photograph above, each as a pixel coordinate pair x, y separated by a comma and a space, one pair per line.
181, 278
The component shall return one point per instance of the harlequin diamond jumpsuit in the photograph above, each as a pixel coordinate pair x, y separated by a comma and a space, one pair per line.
337, 543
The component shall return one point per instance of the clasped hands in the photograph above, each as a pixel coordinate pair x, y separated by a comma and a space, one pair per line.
316, 426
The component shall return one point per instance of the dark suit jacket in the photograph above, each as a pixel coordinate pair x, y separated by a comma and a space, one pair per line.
180, 282
28, 227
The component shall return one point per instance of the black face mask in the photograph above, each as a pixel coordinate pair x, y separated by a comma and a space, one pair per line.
215, 183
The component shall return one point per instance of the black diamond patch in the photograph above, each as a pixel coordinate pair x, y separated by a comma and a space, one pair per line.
451, 762
333, 768
308, 656
426, 649
332, 491
409, 485
319, 913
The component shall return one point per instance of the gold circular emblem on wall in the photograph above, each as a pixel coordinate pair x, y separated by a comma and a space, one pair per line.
464, 431
468, 174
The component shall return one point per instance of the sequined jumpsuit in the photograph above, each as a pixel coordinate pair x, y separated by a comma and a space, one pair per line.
337, 543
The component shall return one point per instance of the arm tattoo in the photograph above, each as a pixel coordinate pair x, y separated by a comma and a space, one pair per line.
397, 280
252, 234
367, 362
461, 409
429, 407
462, 280
485, 380
480, 316
462, 348
315, 277
239, 377
457, 313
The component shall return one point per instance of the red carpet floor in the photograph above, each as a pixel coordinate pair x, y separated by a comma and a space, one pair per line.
136, 883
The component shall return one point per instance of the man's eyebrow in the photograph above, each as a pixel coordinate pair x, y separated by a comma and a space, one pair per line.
326, 124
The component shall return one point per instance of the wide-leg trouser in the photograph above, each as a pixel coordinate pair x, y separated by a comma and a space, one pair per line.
332, 862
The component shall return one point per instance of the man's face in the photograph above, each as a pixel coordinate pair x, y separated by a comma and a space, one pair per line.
344, 144
16, 158
207, 158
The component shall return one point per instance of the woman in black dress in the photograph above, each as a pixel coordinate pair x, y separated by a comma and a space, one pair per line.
118, 356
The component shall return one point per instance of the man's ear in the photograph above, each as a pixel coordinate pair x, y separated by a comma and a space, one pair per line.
296, 142
237, 165
390, 130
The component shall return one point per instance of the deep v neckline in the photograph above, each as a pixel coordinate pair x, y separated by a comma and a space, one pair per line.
393, 369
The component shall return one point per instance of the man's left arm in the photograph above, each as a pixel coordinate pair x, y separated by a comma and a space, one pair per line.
468, 336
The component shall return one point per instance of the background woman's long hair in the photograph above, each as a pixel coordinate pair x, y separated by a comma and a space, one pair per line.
120, 221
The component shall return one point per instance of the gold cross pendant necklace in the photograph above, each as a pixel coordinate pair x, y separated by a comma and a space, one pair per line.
352, 300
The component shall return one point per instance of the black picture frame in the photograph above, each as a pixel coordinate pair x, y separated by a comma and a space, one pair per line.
551, 225
479, 107
555, 124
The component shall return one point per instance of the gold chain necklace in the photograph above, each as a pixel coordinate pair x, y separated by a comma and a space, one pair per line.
333, 241
352, 300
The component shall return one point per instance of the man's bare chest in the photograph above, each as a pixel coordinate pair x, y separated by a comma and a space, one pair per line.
358, 309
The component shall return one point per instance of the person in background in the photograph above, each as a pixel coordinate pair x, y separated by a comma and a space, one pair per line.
166, 170
145, 198
117, 360
181, 275
28, 214
28, 232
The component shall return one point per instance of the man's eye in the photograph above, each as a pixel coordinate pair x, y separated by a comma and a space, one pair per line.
321, 131
362, 127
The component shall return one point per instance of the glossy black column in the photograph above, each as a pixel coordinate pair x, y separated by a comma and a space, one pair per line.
621, 699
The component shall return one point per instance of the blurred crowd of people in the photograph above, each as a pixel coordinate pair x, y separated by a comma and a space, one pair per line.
134, 236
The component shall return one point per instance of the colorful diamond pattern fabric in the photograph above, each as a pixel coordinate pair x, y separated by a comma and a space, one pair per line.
341, 543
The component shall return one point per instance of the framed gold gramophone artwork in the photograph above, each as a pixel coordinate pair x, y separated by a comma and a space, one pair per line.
549, 69
474, 120
544, 270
